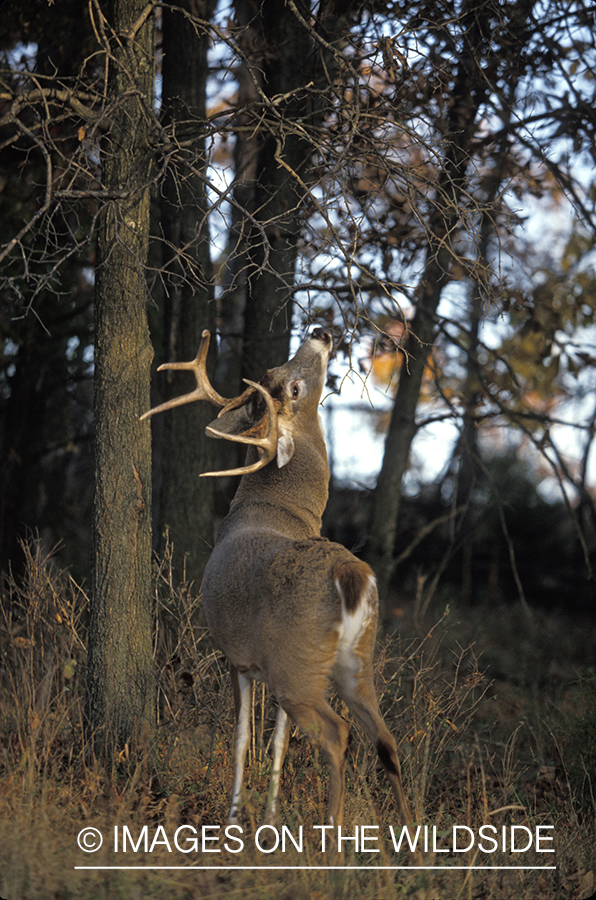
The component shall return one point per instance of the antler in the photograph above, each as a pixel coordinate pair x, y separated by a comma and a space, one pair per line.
203, 390
266, 444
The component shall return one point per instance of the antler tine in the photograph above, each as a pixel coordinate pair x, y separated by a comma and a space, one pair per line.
267, 445
203, 390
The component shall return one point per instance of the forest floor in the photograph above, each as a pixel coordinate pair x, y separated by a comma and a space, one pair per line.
494, 711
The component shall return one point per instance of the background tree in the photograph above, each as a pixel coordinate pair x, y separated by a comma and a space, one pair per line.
286, 91
46, 313
184, 500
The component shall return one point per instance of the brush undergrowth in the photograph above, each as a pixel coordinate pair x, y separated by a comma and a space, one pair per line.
494, 714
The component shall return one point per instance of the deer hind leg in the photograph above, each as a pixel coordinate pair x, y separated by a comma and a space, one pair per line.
241, 687
281, 735
362, 703
353, 669
331, 732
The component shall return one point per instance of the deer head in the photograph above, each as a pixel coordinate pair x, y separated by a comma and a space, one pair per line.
267, 415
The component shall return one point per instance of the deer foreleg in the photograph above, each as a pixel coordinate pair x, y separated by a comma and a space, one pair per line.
242, 702
281, 735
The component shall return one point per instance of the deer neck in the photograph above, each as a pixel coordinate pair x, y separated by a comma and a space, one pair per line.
290, 500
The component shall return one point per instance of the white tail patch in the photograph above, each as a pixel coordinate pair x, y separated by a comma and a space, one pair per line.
351, 628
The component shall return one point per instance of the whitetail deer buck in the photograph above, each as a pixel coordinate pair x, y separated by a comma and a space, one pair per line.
286, 606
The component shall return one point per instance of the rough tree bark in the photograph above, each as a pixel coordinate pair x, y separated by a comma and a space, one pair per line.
121, 695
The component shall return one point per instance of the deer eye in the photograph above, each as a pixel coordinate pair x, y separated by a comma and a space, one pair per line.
295, 390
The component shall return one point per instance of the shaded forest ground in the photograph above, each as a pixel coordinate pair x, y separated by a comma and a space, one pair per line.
494, 712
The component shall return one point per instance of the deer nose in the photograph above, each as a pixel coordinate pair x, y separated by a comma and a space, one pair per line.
321, 334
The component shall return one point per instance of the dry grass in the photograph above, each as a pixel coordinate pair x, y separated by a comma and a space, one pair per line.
495, 718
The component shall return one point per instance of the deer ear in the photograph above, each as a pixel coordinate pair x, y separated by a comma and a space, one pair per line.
232, 422
285, 447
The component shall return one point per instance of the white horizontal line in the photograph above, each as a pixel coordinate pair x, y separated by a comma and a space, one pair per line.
340, 868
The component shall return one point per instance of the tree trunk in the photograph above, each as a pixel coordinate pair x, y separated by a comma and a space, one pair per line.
184, 500
121, 691
272, 158
274, 39
289, 65
467, 463
379, 552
